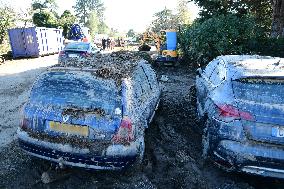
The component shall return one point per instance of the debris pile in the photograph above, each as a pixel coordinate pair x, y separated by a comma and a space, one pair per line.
115, 65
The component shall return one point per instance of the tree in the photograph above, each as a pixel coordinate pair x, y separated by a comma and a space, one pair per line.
131, 33
183, 15
164, 20
66, 20
277, 29
84, 8
260, 9
45, 13
45, 19
113, 32
7, 21
103, 28
51, 5
219, 35
93, 23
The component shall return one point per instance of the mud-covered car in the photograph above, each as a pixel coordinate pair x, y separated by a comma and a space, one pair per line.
240, 100
78, 50
90, 118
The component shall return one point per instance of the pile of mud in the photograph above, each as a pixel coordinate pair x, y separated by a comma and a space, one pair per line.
116, 65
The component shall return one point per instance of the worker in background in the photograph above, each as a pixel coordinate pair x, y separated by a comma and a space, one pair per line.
108, 43
112, 44
85, 39
118, 42
104, 43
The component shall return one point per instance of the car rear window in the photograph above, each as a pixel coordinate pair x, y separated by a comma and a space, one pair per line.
262, 90
79, 89
77, 46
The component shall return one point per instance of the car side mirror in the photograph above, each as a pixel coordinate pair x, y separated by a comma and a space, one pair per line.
198, 72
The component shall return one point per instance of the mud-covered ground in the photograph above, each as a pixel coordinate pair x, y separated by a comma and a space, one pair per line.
173, 148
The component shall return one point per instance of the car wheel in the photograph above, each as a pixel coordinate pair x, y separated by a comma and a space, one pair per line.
138, 164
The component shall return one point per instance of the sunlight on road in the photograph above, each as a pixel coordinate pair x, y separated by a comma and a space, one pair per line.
22, 65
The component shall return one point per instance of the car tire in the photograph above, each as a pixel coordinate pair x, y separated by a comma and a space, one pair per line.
137, 166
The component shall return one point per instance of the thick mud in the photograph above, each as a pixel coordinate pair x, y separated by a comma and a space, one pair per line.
172, 158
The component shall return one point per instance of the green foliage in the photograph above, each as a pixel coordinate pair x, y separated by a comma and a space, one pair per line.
38, 6
91, 14
45, 13
268, 47
164, 20
103, 28
66, 20
45, 19
131, 33
219, 35
50, 5
183, 15
260, 9
7, 21
93, 23
84, 8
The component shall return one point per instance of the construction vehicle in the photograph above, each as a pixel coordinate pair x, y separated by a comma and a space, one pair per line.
166, 45
167, 48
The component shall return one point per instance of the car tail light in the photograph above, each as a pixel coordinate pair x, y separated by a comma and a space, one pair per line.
62, 53
124, 134
24, 123
229, 113
86, 54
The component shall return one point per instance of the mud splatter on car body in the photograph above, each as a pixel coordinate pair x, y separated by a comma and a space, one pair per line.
91, 113
241, 100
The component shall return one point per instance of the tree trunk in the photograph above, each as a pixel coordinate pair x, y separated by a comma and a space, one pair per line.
277, 29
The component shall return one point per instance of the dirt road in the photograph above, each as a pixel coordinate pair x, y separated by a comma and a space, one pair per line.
16, 78
173, 143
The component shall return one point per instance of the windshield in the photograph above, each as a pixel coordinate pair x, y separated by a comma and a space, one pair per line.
76, 89
77, 46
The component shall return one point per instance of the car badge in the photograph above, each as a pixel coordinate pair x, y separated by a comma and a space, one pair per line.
65, 118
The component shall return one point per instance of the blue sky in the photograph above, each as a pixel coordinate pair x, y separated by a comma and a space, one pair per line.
120, 14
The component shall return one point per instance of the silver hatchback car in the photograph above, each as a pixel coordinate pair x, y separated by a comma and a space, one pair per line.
241, 102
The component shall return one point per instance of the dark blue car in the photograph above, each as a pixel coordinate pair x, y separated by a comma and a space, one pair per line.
241, 102
78, 117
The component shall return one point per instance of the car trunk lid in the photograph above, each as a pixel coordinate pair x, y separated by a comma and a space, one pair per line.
263, 97
75, 103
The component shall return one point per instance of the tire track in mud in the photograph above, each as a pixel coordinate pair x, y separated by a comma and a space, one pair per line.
169, 146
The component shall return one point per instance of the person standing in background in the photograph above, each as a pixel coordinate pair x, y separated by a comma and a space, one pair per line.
104, 43
108, 43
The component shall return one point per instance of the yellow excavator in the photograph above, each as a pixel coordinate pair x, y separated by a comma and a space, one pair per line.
166, 45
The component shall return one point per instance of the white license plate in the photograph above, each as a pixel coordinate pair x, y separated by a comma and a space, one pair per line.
69, 129
73, 56
278, 132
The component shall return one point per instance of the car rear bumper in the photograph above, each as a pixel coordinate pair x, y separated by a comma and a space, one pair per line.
254, 158
115, 157
166, 59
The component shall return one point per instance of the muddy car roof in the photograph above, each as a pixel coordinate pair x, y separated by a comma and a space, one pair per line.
253, 65
116, 65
